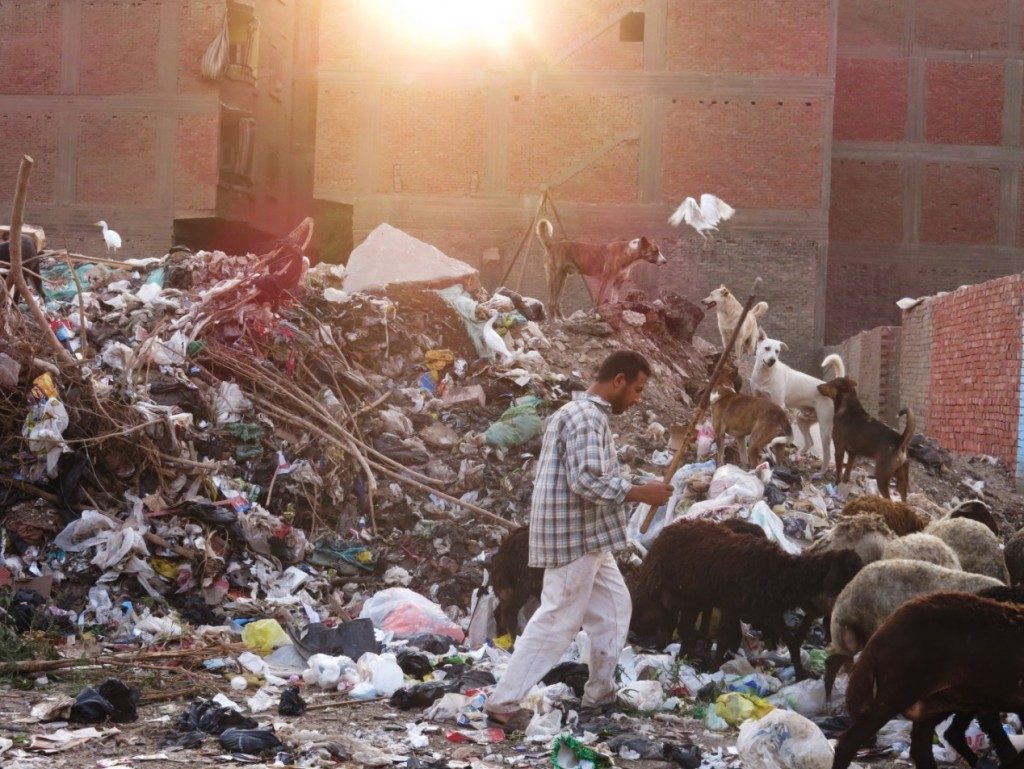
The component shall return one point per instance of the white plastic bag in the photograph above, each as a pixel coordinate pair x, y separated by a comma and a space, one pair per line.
382, 671
543, 727
407, 614
643, 695
737, 483
666, 514
772, 525
325, 671
482, 623
804, 697
783, 740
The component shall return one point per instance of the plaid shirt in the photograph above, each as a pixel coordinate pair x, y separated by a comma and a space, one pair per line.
578, 493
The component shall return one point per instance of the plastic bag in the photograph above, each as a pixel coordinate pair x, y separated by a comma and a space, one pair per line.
736, 708
291, 703
326, 671
757, 684
407, 614
543, 727
382, 671
772, 525
519, 424
643, 695
804, 697
264, 635
705, 439
252, 741
783, 740
735, 482
111, 700
666, 513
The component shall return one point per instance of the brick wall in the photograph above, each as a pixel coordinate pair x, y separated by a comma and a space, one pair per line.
915, 372
926, 154
958, 368
872, 360
976, 368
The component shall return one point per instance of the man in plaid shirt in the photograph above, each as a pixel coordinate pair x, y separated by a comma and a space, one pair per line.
576, 522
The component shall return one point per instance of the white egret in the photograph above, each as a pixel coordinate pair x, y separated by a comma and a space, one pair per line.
703, 217
111, 238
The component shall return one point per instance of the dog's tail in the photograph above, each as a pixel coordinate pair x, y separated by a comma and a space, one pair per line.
908, 431
544, 230
759, 310
836, 363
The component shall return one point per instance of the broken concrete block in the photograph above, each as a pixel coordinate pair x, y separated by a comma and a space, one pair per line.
470, 396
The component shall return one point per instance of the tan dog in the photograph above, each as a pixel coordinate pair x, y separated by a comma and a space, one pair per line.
609, 263
756, 423
728, 309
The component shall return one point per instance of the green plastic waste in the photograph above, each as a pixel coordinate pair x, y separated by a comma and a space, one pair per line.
569, 753
519, 424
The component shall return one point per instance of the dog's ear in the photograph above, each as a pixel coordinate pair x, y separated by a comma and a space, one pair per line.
761, 336
828, 390
644, 243
784, 346
852, 383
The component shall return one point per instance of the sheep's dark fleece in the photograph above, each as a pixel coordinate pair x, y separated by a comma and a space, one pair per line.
513, 580
938, 654
695, 564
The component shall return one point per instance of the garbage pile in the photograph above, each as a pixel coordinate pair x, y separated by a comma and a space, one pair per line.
282, 493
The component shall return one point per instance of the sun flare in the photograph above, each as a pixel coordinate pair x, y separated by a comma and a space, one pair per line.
451, 22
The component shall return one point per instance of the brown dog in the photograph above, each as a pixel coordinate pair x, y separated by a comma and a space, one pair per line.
609, 263
858, 434
756, 423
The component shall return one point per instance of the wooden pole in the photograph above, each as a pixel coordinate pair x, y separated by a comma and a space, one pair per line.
705, 399
526, 235
17, 214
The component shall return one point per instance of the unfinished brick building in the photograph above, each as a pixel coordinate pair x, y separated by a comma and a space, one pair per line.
927, 155
108, 98
872, 147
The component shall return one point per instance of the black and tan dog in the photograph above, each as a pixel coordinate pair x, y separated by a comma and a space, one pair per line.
855, 433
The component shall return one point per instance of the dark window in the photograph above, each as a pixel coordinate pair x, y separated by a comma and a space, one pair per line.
631, 27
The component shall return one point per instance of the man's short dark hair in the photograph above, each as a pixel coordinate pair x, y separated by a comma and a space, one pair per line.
627, 362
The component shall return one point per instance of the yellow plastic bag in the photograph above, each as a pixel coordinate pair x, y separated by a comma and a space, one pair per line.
264, 635
736, 707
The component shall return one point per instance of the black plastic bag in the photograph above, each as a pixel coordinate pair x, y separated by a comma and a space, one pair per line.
353, 639
209, 717
419, 696
686, 756
414, 664
429, 642
475, 679
575, 674
291, 703
252, 741
187, 740
112, 700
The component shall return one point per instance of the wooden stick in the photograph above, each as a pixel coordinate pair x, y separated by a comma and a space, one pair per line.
17, 214
705, 399
533, 226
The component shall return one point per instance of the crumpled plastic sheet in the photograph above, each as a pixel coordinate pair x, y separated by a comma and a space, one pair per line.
45, 424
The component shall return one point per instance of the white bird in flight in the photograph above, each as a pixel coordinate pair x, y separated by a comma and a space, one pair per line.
112, 239
703, 217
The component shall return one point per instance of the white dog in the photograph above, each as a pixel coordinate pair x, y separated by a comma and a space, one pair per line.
792, 389
728, 309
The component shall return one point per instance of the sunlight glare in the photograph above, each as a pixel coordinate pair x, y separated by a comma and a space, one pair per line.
449, 22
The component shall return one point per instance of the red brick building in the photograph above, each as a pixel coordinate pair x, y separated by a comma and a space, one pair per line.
108, 98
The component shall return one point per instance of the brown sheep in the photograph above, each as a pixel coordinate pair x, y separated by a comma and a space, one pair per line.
937, 654
1013, 554
978, 511
874, 594
867, 534
974, 544
922, 547
694, 564
901, 517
